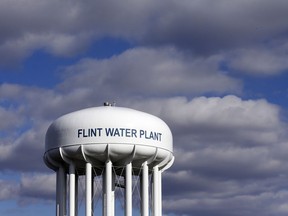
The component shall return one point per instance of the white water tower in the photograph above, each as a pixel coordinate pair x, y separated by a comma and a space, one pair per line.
112, 142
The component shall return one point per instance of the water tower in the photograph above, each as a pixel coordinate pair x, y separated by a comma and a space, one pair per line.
105, 140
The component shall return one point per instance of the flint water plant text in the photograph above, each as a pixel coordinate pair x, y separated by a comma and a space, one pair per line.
119, 132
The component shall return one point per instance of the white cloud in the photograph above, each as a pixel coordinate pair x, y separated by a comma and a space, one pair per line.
10, 118
218, 120
226, 150
32, 186
8, 190
150, 72
25, 152
38, 186
231, 162
269, 60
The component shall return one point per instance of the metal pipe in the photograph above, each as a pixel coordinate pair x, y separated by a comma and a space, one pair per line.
61, 192
145, 190
88, 186
128, 190
156, 191
108, 195
72, 193
76, 194
160, 191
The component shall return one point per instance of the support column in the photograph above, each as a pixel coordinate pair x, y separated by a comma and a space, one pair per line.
156, 190
61, 190
88, 186
93, 191
128, 190
145, 190
76, 194
160, 191
72, 193
108, 199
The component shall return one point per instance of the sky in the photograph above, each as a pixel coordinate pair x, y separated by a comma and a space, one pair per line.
216, 71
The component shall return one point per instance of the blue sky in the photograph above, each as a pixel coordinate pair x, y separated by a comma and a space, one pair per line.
214, 70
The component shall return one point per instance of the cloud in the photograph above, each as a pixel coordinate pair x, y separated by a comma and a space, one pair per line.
31, 186
72, 27
8, 190
151, 72
232, 163
227, 150
203, 27
209, 26
233, 206
265, 60
205, 195
218, 120
10, 118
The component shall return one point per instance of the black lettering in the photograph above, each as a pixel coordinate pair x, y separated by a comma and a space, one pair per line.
99, 131
122, 131
116, 132
93, 132
134, 133
84, 133
80, 132
109, 131
142, 132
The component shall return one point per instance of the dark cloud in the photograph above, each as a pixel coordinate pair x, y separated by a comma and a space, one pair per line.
203, 27
209, 26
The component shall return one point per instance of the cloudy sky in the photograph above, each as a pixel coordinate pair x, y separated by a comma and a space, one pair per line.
214, 70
